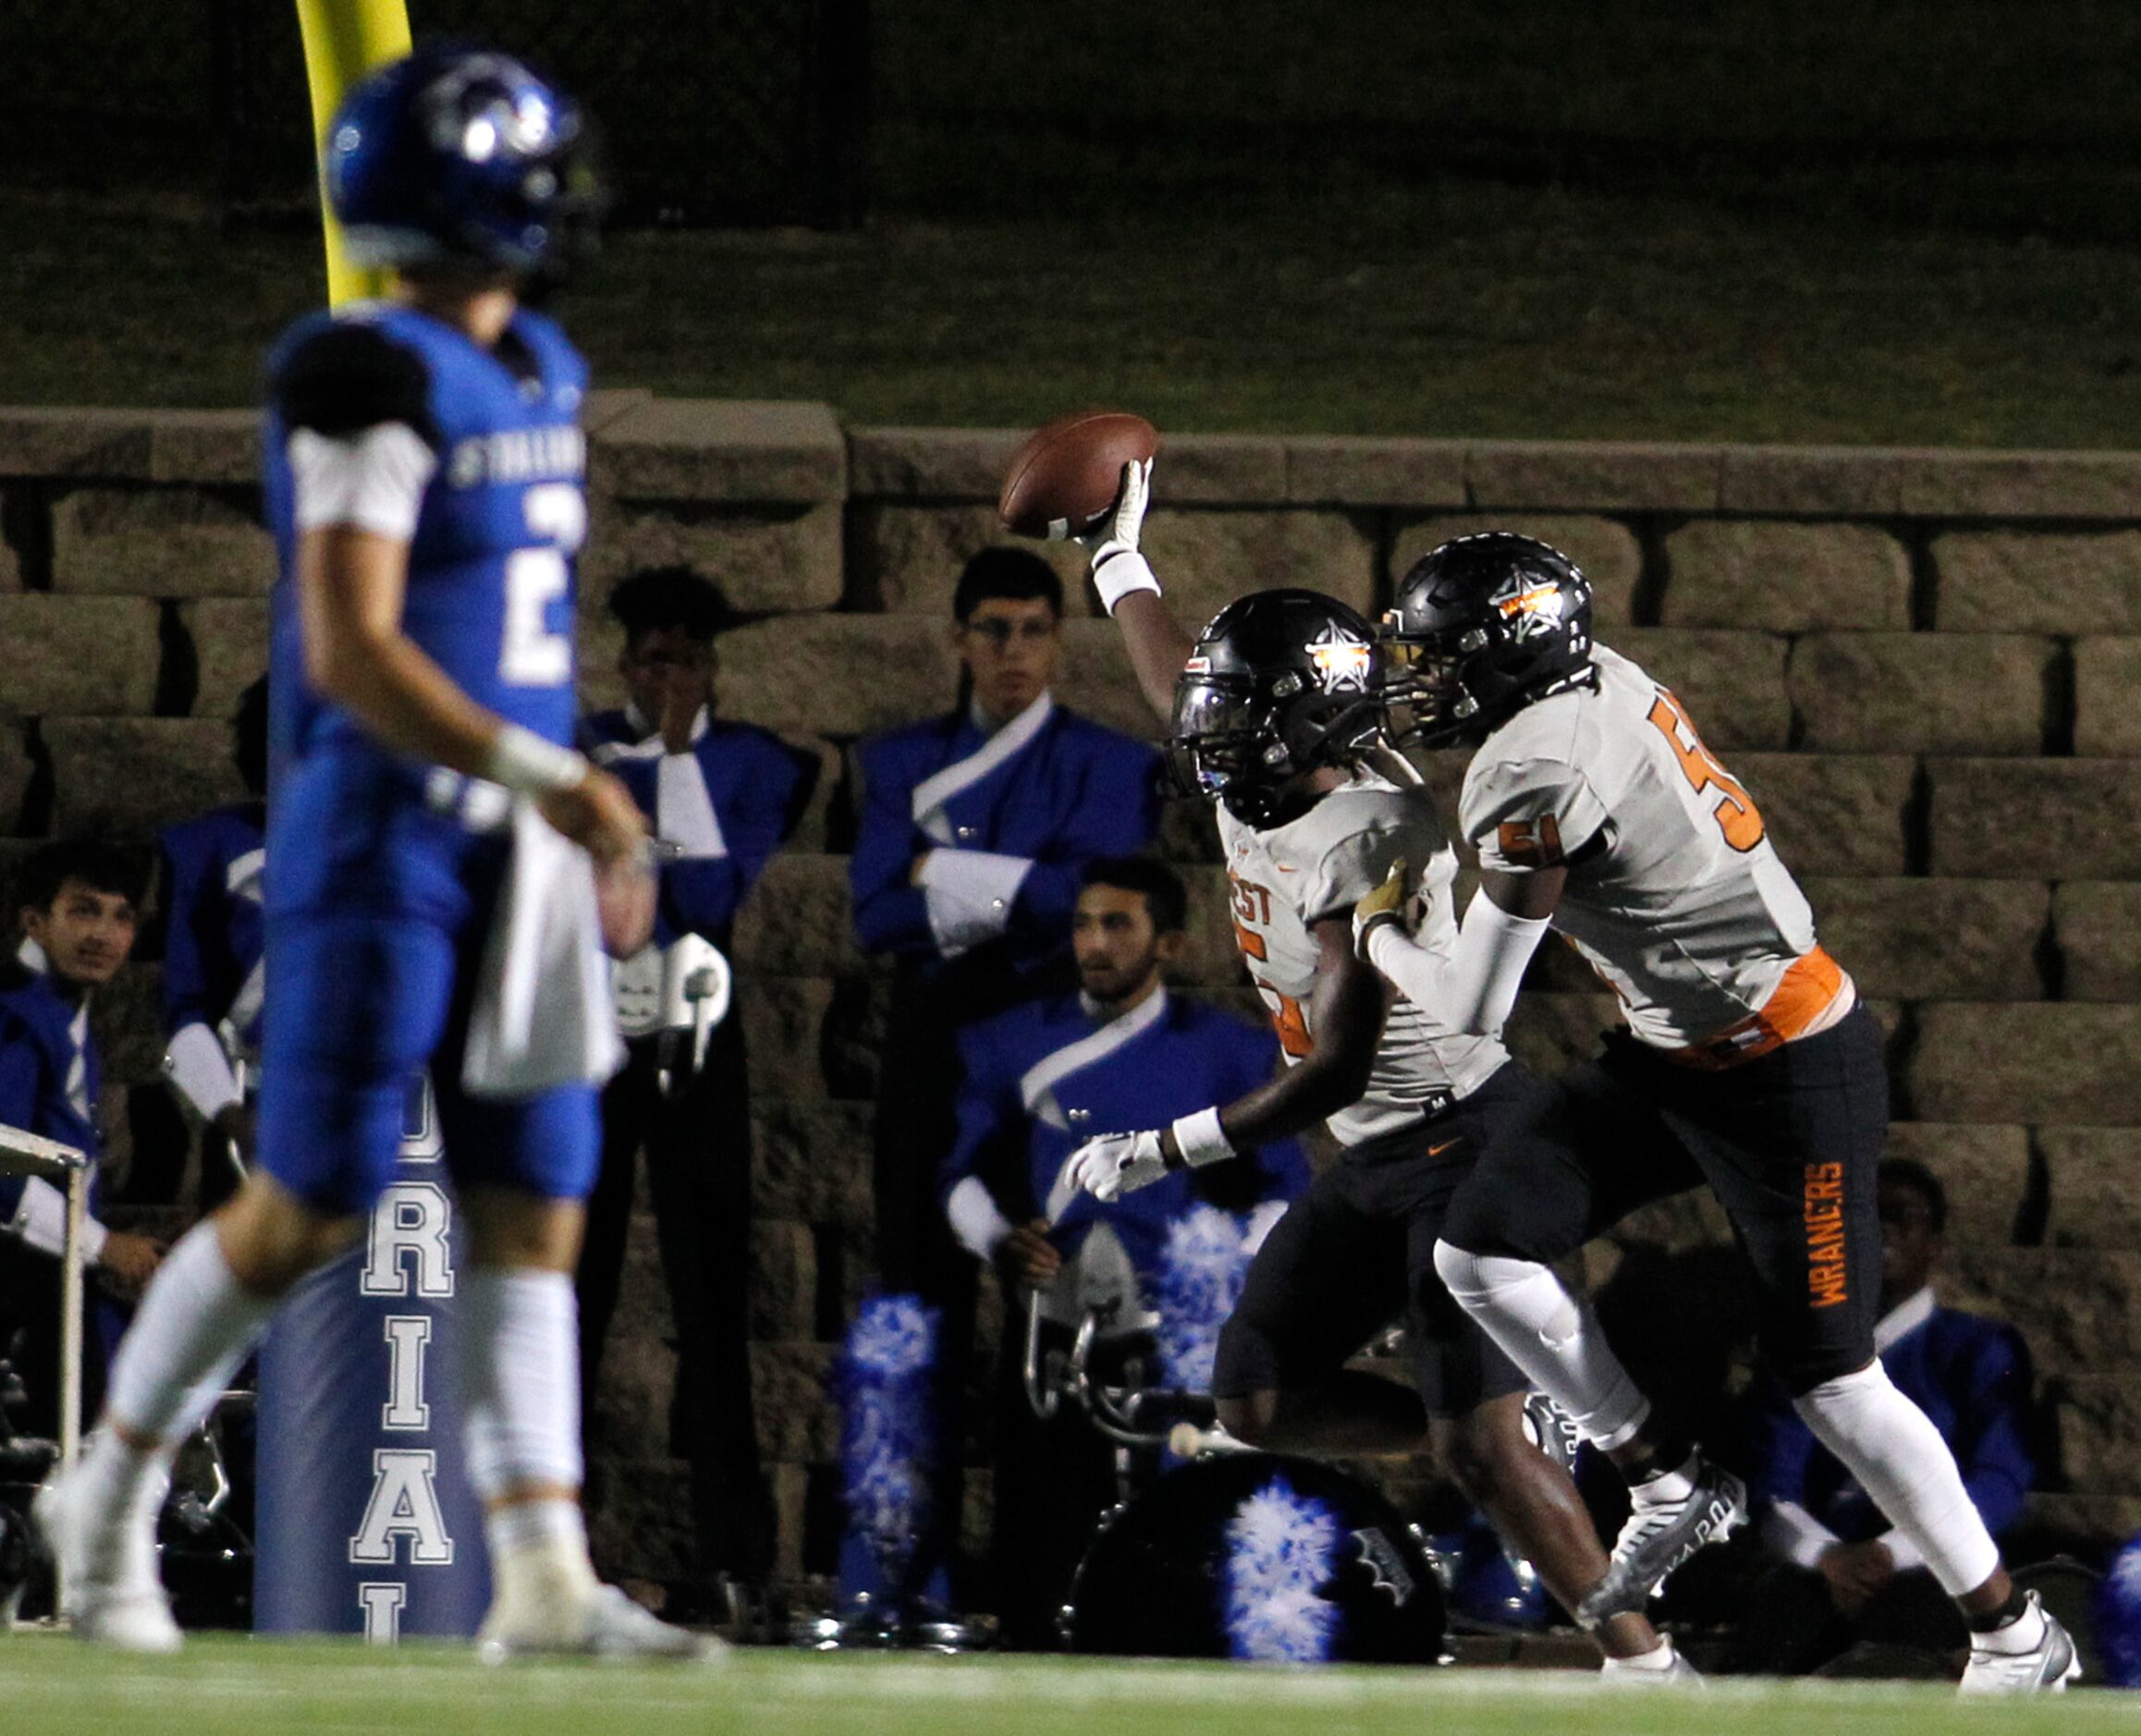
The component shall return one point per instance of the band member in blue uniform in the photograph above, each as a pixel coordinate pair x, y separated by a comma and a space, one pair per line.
74, 922
213, 971
1039, 1080
431, 831
976, 830
722, 797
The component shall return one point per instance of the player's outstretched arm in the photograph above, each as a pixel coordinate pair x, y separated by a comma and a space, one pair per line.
351, 583
1346, 1013
1474, 987
1155, 640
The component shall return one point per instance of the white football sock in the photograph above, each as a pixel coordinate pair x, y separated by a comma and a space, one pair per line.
194, 1325
519, 1377
2024, 1634
1551, 1336
123, 1489
1898, 1457
540, 1567
1661, 1658
539, 1524
1668, 1486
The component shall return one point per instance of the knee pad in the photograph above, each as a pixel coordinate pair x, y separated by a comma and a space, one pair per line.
1491, 1281
1550, 1336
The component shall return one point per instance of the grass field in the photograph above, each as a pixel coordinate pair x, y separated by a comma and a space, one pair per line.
236, 1687
1816, 222
1454, 309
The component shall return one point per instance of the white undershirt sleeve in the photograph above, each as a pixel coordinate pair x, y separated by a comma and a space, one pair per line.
1902, 1551
683, 811
373, 479
969, 895
1795, 1534
197, 1067
976, 1219
41, 1221
1476, 987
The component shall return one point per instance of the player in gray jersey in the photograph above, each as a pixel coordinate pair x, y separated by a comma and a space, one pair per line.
1274, 723
1746, 1063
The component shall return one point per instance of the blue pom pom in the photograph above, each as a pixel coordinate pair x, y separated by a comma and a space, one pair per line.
1281, 1550
2119, 1617
1201, 1268
887, 1422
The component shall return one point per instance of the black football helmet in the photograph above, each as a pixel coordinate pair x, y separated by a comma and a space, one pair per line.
1483, 626
1278, 683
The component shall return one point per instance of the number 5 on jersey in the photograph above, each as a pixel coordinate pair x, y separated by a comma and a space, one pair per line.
530, 655
1288, 1016
1734, 812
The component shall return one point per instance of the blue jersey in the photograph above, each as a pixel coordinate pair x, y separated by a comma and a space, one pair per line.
384, 874
491, 576
1044, 1077
727, 805
1074, 790
211, 944
49, 1072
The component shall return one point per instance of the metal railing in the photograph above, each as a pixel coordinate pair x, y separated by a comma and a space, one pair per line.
67, 1168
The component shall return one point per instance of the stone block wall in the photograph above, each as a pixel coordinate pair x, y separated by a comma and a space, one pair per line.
1922, 664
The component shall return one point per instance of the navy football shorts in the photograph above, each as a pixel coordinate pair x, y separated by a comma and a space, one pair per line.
1357, 1251
1789, 1144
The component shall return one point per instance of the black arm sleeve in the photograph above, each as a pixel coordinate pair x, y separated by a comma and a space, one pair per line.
351, 376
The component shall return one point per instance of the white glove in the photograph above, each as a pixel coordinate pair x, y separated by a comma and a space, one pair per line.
1119, 530
1115, 1164
1118, 567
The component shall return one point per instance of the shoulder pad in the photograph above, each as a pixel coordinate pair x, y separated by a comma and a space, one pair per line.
349, 375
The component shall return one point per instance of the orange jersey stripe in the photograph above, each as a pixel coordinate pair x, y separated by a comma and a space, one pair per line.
1797, 1005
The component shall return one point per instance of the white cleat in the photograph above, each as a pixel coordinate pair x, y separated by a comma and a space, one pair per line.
599, 1622
1625, 1672
2046, 1668
107, 1566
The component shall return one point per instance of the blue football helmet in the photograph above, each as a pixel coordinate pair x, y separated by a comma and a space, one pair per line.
462, 156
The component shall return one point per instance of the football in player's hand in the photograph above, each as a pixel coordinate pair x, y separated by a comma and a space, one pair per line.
1063, 479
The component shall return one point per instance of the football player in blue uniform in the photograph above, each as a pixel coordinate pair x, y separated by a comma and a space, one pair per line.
214, 969
431, 832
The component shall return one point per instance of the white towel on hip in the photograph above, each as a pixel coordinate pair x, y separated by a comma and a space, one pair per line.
542, 1016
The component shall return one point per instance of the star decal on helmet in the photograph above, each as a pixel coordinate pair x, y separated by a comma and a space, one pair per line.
1341, 660
1530, 609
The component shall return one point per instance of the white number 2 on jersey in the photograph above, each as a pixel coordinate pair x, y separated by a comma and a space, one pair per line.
531, 654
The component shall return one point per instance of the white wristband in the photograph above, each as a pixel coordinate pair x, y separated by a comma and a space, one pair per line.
522, 759
1118, 570
1199, 1139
